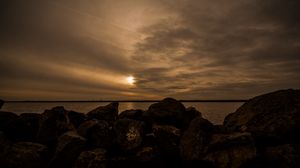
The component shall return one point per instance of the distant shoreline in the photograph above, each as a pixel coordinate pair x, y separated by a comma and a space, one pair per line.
124, 101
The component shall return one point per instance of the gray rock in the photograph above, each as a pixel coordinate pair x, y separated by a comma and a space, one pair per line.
97, 132
272, 118
69, 146
129, 133
95, 158
108, 113
26, 155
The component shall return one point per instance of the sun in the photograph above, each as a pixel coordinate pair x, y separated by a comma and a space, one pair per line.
130, 80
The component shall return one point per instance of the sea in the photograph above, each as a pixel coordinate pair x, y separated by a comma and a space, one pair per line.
213, 111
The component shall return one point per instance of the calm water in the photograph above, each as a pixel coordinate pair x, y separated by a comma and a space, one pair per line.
213, 111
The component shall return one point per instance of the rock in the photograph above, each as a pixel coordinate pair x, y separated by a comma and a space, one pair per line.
6, 118
168, 138
108, 113
132, 114
4, 147
27, 155
1, 103
129, 133
97, 132
190, 114
272, 118
25, 127
193, 144
53, 123
69, 146
168, 111
76, 118
92, 159
230, 150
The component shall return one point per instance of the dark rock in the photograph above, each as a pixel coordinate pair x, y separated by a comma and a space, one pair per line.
25, 127
53, 123
129, 133
271, 118
1, 103
108, 113
76, 118
230, 150
4, 147
168, 138
132, 114
190, 114
69, 146
166, 112
97, 132
193, 144
92, 159
6, 118
26, 155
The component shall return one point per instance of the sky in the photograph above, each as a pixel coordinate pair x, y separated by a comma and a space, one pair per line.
147, 49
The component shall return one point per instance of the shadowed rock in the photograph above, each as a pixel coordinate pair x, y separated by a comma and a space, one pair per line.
95, 158
1, 103
129, 133
189, 114
193, 144
69, 146
166, 112
27, 155
108, 113
271, 118
230, 150
25, 127
4, 147
97, 132
132, 114
53, 123
76, 118
6, 119
168, 138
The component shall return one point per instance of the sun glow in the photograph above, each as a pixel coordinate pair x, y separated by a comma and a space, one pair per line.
130, 80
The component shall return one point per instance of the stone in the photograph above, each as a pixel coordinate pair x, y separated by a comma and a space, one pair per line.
97, 132
168, 138
25, 127
6, 118
53, 123
95, 158
1, 103
108, 113
190, 114
129, 133
5, 144
230, 150
131, 114
193, 143
272, 118
69, 146
76, 118
168, 111
26, 155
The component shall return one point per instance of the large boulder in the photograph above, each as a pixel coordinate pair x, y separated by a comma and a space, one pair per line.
26, 155
1, 103
129, 133
271, 118
95, 158
53, 123
69, 146
230, 150
193, 143
97, 132
168, 138
6, 119
108, 113
25, 127
131, 114
189, 114
168, 111
76, 118
5, 144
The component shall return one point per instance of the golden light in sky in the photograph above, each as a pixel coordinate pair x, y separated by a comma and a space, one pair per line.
130, 80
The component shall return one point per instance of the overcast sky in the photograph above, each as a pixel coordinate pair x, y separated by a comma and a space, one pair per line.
187, 49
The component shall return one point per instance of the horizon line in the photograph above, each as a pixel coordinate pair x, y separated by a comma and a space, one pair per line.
121, 101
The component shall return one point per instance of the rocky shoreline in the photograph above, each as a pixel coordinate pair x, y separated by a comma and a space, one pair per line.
261, 133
